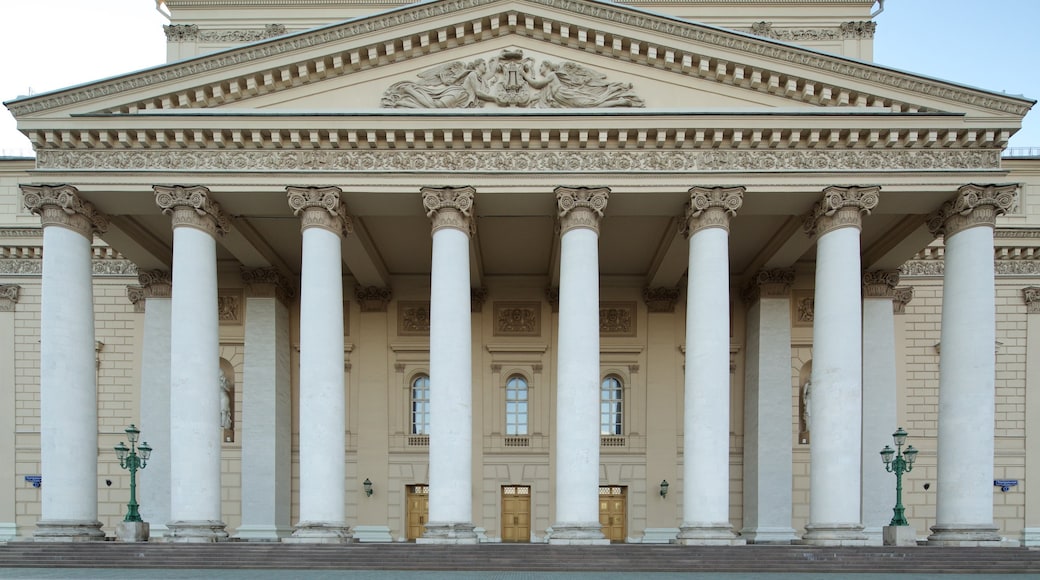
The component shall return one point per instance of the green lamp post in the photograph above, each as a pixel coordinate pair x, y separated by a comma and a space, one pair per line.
899, 462
133, 458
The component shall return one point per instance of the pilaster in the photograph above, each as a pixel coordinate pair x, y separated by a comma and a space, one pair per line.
9, 294
1031, 531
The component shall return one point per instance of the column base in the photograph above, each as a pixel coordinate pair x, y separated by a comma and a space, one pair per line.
1030, 537
899, 536
372, 534
833, 535
659, 535
319, 533
708, 535
195, 532
252, 533
448, 533
157, 532
577, 534
68, 531
767, 535
875, 535
8, 532
132, 532
967, 535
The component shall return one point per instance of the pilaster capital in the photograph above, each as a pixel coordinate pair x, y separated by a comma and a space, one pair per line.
1031, 294
477, 297
61, 205
192, 206
841, 207
711, 207
155, 283
553, 296
774, 283
974, 205
320, 207
903, 296
268, 283
9, 294
135, 294
373, 298
880, 283
660, 299
449, 207
581, 207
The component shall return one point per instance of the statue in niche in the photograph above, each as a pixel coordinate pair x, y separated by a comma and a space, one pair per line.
455, 85
805, 411
572, 86
226, 420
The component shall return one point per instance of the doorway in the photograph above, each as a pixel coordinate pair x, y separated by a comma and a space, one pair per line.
417, 512
516, 513
612, 516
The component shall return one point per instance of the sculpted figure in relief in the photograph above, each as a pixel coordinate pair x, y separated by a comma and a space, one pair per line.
225, 402
571, 85
455, 85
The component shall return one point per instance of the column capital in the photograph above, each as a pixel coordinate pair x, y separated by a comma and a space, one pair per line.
660, 299
268, 283
192, 206
974, 205
774, 283
449, 207
903, 296
711, 207
841, 207
1031, 294
9, 294
373, 298
581, 207
880, 283
320, 207
61, 205
155, 283
135, 294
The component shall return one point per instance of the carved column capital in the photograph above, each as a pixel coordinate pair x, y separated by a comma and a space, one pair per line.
1031, 294
320, 207
660, 299
9, 294
711, 207
373, 298
477, 297
449, 207
974, 205
880, 283
903, 296
581, 207
775, 283
553, 296
156, 283
193, 207
268, 283
841, 207
61, 205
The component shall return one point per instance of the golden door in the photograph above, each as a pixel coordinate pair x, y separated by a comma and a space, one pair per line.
418, 511
516, 513
612, 503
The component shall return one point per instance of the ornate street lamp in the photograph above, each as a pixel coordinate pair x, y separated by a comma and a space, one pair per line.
899, 462
130, 459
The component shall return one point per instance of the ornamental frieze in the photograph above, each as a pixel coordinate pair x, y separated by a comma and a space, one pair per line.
191, 32
413, 318
847, 30
518, 318
617, 319
518, 160
509, 80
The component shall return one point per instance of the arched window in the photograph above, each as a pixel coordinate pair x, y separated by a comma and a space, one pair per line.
516, 405
420, 400
611, 406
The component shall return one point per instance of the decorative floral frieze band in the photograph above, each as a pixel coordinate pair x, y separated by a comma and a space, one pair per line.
190, 32
61, 205
449, 207
841, 207
774, 283
9, 294
660, 299
192, 206
711, 207
320, 207
974, 205
268, 283
581, 207
373, 298
880, 283
847, 30
34, 267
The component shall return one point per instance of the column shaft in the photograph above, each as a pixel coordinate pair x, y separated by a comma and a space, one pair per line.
154, 482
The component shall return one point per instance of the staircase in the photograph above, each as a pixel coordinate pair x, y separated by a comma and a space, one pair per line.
520, 557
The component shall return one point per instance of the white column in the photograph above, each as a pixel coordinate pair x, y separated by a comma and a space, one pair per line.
323, 403
266, 409
153, 483
195, 429
967, 367
706, 403
9, 294
451, 369
68, 383
578, 372
879, 400
837, 370
767, 410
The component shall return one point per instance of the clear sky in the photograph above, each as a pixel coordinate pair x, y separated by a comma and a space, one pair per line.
52, 44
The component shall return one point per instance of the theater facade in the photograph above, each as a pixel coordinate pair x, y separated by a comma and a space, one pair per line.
563, 271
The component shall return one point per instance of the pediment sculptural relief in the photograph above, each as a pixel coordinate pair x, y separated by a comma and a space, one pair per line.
509, 80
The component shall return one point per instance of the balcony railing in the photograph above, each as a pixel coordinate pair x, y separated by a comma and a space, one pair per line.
1021, 152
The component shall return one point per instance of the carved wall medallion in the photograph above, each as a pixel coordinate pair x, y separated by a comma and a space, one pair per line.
229, 306
617, 318
509, 80
803, 308
413, 318
518, 318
